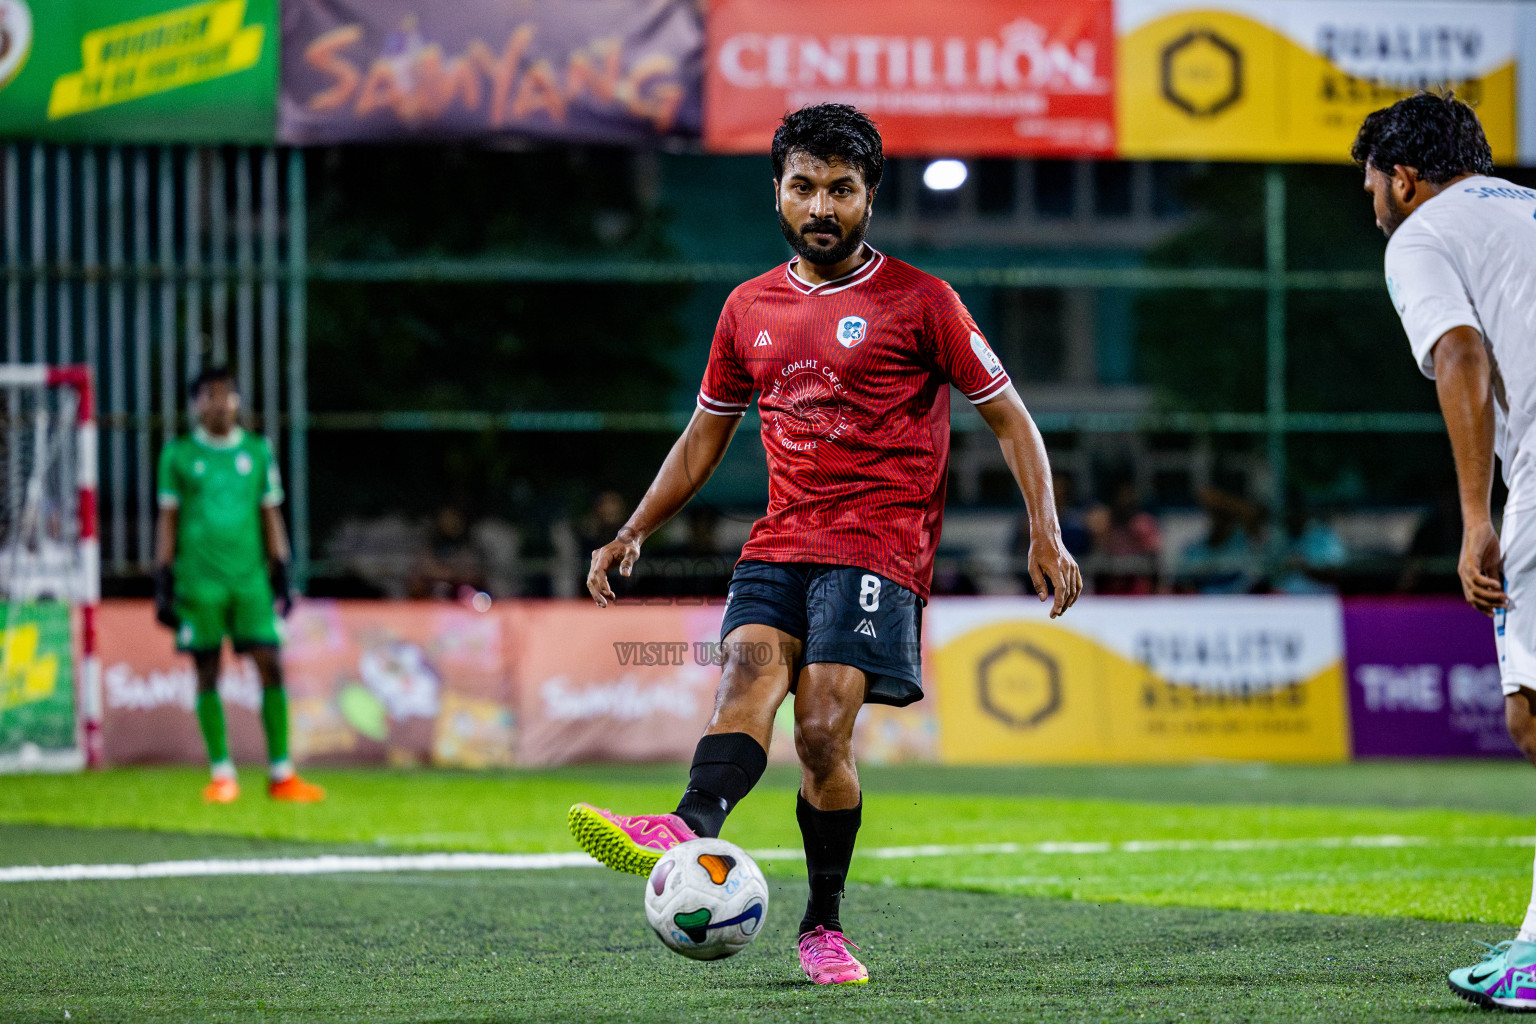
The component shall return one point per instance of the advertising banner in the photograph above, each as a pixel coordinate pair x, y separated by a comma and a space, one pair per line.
987, 77
1423, 680
138, 70
580, 71
530, 683
368, 683
625, 683
1259, 80
37, 692
1139, 680
555, 682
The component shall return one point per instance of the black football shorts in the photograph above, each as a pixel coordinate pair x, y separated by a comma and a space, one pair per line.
842, 614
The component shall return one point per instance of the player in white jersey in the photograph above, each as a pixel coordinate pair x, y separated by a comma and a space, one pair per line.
1461, 269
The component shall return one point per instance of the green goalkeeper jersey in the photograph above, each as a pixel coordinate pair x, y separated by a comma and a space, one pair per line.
219, 485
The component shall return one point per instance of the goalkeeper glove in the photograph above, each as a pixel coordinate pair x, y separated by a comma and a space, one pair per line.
282, 590
165, 598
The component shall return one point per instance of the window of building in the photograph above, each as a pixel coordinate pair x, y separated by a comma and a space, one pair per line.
1112, 188
1168, 188
1054, 188
1030, 333
994, 185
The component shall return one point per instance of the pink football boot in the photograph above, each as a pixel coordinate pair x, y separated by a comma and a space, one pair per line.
825, 959
627, 842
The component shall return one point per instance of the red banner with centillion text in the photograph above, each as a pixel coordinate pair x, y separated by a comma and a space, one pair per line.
987, 77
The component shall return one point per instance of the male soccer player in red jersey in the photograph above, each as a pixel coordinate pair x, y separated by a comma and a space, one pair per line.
852, 354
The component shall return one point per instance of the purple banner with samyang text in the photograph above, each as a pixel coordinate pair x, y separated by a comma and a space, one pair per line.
1423, 679
604, 71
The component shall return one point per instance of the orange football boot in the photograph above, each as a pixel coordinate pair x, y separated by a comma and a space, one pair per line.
295, 790
221, 791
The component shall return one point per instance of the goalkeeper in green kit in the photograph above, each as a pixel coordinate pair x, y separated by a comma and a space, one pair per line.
221, 566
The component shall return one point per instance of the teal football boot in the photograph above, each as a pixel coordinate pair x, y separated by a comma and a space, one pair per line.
1504, 980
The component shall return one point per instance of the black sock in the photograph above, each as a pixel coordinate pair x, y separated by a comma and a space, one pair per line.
725, 768
829, 837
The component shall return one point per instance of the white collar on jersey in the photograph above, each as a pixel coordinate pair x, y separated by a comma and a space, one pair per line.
858, 276
228, 441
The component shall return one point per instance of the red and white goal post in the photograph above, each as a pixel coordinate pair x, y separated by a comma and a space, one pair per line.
50, 569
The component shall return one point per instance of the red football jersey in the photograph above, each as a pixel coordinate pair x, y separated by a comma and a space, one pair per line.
853, 378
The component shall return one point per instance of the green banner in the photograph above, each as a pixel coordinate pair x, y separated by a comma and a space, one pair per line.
37, 687
139, 70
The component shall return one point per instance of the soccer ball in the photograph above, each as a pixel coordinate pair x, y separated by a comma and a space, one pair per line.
706, 899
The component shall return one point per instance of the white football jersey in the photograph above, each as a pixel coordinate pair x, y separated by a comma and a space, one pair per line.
1467, 257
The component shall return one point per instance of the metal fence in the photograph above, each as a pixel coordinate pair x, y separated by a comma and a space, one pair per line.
148, 263
1275, 425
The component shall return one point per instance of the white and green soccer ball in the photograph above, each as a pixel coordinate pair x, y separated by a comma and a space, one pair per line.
706, 899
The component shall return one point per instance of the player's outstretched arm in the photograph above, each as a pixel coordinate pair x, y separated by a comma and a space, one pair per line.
1463, 382
687, 468
1024, 451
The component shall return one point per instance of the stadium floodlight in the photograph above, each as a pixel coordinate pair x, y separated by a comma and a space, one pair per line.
945, 175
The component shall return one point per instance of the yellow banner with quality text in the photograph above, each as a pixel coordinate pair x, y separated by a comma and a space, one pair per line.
1140, 680
1259, 80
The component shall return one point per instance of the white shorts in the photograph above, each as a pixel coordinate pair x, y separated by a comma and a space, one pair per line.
1514, 628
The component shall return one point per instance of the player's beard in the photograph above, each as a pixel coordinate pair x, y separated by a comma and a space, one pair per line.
827, 257
1395, 215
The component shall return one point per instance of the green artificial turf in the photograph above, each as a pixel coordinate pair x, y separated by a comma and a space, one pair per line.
1448, 864
571, 945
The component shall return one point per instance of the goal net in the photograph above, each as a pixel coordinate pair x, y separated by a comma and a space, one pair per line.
50, 708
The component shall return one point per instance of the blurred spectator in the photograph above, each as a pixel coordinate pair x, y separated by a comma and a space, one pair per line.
702, 522
709, 568
1430, 563
1126, 544
608, 513
1074, 535
1228, 559
1314, 554
392, 557
450, 561
500, 547
950, 577
374, 557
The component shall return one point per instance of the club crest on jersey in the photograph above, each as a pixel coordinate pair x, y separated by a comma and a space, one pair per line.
243, 464
850, 330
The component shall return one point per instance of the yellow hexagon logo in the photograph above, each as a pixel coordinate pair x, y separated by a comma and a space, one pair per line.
1202, 73
1019, 684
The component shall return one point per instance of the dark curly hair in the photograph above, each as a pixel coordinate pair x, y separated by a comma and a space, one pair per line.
830, 131
1434, 133
215, 374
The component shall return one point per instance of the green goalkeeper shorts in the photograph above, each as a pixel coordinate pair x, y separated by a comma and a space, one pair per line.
210, 611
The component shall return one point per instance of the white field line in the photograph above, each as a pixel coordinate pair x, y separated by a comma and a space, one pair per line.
333, 864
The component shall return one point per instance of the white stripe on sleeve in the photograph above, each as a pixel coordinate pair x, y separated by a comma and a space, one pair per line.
990, 392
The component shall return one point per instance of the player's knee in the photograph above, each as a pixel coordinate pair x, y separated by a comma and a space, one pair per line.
207, 666
268, 665
823, 740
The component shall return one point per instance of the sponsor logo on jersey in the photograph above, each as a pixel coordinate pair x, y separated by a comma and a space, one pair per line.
850, 330
866, 627
15, 38
243, 464
1392, 291
985, 355
763, 340
809, 399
